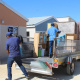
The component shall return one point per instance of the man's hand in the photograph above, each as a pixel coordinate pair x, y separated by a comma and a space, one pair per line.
20, 42
7, 51
59, 31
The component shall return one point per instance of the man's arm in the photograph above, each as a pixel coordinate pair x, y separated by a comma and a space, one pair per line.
7, 47
7, 51
58, 31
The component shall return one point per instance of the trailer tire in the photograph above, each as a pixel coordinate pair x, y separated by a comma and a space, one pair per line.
70, 68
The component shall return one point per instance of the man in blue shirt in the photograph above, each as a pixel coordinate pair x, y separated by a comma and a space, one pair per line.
12, 48
52, 34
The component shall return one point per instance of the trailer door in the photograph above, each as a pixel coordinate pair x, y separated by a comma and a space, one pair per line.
42, 66
38, 65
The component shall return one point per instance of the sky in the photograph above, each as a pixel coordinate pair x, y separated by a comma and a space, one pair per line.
41, 8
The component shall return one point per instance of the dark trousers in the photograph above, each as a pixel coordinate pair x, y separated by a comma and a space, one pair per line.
50, 47
9, 65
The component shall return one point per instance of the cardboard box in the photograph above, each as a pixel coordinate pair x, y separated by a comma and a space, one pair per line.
71, 36
70, 42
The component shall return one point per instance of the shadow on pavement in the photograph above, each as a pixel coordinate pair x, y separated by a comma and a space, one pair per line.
59, 74
20, 78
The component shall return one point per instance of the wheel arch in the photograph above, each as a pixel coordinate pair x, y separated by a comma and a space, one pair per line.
70, 59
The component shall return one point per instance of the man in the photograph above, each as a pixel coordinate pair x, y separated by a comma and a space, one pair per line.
12, 48
52, 34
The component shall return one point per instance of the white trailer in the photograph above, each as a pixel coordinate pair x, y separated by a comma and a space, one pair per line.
65, 53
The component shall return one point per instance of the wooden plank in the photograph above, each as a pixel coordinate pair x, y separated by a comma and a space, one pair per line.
48, 26
36, 42
44, 47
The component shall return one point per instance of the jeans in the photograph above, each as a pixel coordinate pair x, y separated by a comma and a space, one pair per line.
9, 66
50, 47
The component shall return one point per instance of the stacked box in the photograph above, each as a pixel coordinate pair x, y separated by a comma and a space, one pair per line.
71, 43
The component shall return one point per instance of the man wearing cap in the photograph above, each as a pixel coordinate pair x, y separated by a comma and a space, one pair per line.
12, 48
52, 34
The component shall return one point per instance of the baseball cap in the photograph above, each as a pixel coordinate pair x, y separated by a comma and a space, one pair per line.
8, 34
52, 23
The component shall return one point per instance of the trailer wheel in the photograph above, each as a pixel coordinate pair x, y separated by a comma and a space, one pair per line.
70, 68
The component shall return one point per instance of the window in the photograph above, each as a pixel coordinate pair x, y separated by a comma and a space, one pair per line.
28, 34
10, 29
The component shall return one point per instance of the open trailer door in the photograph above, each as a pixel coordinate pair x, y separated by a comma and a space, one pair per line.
38, 65
41, 66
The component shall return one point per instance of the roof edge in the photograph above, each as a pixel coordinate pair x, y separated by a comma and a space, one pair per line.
46, 20
29, 26
65, 22
64, 17
14, 10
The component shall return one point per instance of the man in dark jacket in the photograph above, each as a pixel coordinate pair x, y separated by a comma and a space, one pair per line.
12, 48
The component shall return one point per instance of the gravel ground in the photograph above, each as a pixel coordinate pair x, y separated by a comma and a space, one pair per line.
59, 74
